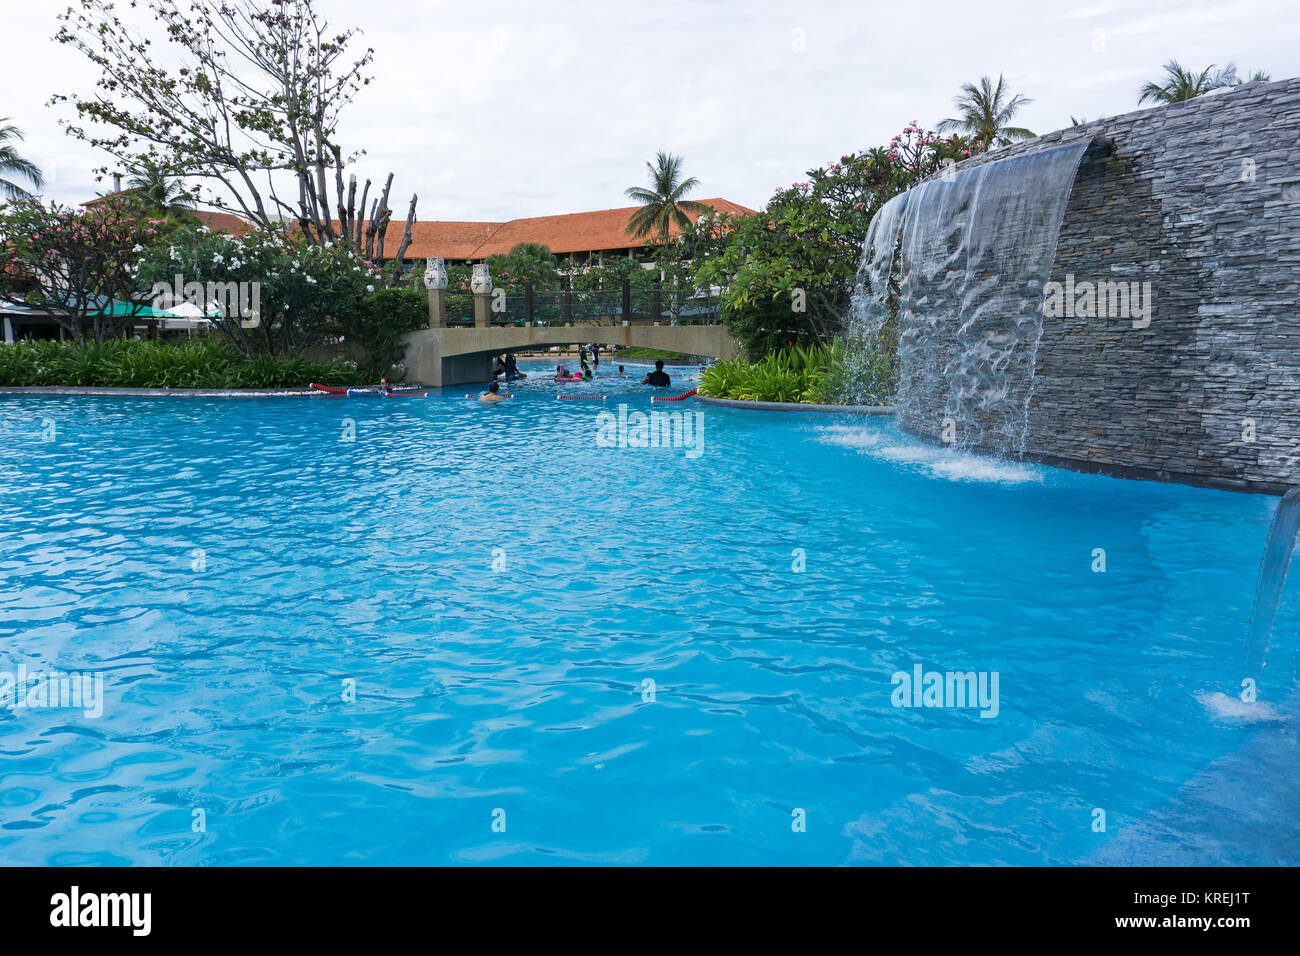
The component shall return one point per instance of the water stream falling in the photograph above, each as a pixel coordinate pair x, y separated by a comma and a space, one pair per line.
972, 253
1278, 552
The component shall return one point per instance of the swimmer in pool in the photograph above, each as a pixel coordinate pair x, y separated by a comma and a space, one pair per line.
493, 394
658, 377
561, 374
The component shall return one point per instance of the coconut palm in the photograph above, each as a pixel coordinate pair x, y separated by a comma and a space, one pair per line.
662, 205
985, 112
1181, 85
154, 187
11, 164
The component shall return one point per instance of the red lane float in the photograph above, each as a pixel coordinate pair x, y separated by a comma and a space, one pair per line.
365, 392
674, 398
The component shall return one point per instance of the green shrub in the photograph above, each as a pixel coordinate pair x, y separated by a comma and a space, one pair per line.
381, 322
201, 363
816, 374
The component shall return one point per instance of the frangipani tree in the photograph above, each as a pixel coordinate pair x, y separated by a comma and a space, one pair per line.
80, 262
267, 292
255, 99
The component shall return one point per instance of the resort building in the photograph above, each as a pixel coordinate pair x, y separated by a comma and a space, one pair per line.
580, 235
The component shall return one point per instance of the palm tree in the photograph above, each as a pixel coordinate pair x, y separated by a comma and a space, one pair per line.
13, 164
984, 113
1181, 85
154, 187
662, 205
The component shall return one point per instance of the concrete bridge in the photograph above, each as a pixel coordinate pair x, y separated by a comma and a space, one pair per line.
463, 356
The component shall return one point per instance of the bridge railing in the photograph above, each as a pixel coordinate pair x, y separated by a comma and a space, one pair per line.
561, 307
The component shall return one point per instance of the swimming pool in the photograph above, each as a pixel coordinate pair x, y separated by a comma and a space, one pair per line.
562, 651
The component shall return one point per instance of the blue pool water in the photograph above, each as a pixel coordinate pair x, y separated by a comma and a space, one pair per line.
501, 588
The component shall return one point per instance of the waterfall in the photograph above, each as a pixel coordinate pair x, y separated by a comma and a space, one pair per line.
1272, 576
870, 362
975, 250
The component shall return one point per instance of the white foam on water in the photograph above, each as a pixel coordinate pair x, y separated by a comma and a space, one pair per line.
946, 463
847, 436
1224, 707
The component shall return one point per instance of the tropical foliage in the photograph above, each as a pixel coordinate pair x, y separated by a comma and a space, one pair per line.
238, 96
608, 273
154, 187
379, 326
663, 204
78, 261
985, 112
301, 289
1180, 84
788, 273
816, 374
200, 363
524, 263
16, 173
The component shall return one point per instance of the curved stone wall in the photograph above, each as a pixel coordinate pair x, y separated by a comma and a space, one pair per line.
1196, 207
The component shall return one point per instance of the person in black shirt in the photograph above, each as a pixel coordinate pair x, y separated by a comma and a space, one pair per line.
512, 368
658, 376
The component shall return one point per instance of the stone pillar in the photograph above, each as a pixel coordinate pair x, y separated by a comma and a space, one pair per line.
435, 280
481, 286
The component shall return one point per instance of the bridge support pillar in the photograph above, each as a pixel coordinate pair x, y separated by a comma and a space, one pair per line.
437, 308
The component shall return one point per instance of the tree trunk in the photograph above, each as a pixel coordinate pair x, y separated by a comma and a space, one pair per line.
406, 235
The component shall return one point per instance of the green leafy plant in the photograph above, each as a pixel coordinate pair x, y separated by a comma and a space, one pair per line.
205, 363
817, 374
380, 325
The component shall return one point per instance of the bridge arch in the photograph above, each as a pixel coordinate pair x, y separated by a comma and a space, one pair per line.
463, 356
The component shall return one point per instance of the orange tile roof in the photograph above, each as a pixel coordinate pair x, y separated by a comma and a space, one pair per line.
601, 230
224, 222
216, 221
452, 240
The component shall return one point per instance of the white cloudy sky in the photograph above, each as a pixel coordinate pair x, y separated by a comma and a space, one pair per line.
495, 109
